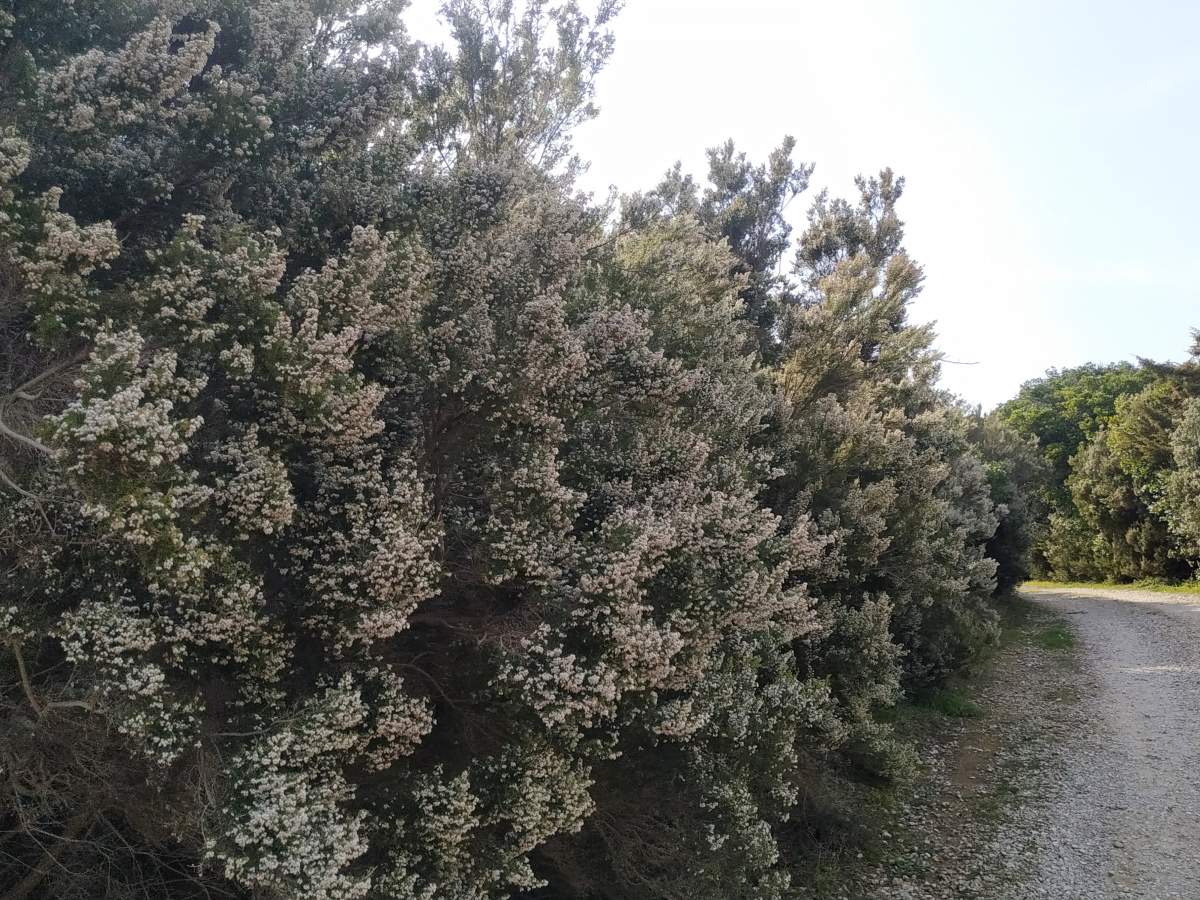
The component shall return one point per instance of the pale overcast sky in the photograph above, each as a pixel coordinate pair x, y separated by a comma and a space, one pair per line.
1049, 149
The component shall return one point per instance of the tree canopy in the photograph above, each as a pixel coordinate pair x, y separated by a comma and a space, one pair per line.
1108, 435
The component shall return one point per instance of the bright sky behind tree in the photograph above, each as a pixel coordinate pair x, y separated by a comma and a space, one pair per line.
1046, 147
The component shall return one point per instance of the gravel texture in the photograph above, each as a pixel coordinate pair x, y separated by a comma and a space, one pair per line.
1124, 820
1083, 779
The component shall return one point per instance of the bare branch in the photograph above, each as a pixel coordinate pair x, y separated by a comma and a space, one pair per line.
12, 485
33, 701
32, 443
22, 391
80, 823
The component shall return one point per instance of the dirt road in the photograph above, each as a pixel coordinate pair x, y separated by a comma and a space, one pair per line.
1122, 814
1080, 780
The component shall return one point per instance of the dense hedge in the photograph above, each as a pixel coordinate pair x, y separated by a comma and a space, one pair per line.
383, 519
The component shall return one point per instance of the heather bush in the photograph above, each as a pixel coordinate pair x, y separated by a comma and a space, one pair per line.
383, 519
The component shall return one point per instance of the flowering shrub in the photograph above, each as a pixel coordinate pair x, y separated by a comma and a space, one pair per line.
380, 522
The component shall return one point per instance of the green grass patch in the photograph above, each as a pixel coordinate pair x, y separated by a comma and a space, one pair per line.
1160, 587
1056, 637
952, 703
1016, 613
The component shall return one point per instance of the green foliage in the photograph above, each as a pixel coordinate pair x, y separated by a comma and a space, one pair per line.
1105, 432
1064, 409
1069, 550
1139, 434
1153, 585
1116, 528
520, 82
742, 204
1180, 502
1129, 541
1017, 476
952, 703
1057, 637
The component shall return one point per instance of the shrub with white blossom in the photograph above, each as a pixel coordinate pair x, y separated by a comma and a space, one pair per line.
381, 519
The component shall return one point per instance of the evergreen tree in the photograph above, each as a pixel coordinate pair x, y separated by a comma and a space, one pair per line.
1180, 503
1064, 409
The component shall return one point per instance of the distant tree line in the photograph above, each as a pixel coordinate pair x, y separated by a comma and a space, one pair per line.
1121, 483
382, 518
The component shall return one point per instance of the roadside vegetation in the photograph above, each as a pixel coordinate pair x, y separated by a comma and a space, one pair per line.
383, 518
1153, 585
986, 758
1120, 485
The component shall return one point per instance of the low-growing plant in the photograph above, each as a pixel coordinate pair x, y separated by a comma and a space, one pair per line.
952, 702
1056, 637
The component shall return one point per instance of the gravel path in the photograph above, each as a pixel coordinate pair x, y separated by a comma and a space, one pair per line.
1123, 816
1082, 781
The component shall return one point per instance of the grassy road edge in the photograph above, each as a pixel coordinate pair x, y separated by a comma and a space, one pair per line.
986, 745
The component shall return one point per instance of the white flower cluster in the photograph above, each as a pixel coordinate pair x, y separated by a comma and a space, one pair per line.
221, 619
364, 549
369, 288
121, 88
111, 639
646, 641
320, 398
122, 418
11, 628
284, 825
56, 258
398, 720
14, 155
434, 852
541, 792
254, 494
